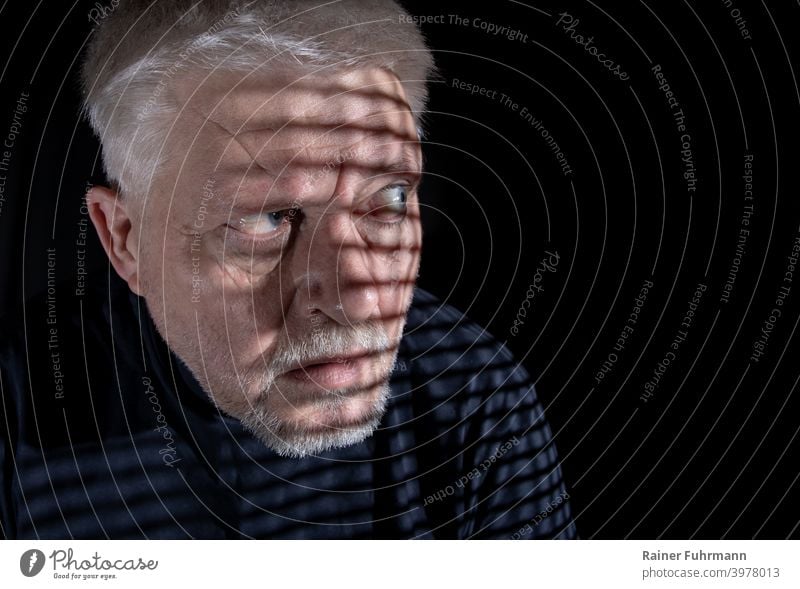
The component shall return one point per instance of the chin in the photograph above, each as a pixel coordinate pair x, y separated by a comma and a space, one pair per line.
335, 419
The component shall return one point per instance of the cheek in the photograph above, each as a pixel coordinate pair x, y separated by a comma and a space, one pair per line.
395, 255
179, 278
244, 272
396, 275
154, 268
403, 260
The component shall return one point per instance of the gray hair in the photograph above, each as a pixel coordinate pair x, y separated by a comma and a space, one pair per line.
140, 46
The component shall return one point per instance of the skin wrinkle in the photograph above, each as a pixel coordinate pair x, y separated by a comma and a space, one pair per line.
408, 160
299, 37
406, 164
321, 273
394, 101
376, 96
322, 265
300, 118
336, 150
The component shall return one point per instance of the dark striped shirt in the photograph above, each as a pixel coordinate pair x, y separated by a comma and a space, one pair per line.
107, 435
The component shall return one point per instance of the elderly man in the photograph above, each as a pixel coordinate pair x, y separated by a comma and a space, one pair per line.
260, 363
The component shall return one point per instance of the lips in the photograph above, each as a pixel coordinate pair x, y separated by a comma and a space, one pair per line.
333, 371
341, 359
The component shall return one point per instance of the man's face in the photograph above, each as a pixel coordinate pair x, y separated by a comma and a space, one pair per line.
281, 238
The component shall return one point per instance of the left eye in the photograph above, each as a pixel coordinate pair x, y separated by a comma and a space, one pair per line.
391, 200
264, 223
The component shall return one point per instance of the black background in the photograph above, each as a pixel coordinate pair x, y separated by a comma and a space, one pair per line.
713, 452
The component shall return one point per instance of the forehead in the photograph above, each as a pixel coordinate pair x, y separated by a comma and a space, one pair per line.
287, 113
277, 137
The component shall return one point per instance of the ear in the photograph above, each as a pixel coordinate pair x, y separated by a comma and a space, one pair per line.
113, 224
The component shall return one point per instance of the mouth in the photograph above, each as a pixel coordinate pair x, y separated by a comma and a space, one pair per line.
334, 371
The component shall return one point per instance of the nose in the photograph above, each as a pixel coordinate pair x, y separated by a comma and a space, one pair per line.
334, 270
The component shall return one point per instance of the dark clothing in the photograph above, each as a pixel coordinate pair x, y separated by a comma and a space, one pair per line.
107, 434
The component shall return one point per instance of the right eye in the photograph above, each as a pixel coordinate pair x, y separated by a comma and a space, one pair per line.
264, 224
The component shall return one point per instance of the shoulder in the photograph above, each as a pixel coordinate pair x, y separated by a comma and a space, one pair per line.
57, 319
48, 347
486, 436
450, 352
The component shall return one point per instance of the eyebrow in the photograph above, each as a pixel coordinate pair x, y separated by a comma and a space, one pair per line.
407, 164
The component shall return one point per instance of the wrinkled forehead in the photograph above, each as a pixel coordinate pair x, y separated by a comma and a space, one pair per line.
299, 117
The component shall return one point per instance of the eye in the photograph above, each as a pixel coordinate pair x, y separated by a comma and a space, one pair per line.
390, 202
263, 224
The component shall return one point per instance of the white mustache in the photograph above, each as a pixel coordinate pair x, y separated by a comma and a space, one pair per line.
329, 342
324, 342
